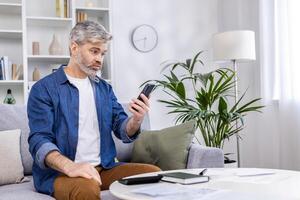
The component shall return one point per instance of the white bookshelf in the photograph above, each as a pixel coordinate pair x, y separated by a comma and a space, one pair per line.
11, 82
11, 45
11, 34
11, 8
48, 21
48, 58
25, 21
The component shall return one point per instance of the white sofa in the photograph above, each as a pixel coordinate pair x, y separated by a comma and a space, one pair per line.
15, 117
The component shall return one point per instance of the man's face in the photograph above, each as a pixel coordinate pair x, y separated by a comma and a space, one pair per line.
90, 57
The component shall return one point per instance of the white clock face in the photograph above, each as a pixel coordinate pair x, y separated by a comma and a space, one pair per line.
144, 38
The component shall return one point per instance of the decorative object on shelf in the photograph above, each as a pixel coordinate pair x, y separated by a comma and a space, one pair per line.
9, 99
35, 48
233, 47
206, 98
14, 72
81, 16
36, 75
20, 72
144, 38
55, 47
62, 8
89, 3
58, 8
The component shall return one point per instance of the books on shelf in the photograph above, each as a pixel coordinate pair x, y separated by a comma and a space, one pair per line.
63, 8
9, 71
81, 16
184, 178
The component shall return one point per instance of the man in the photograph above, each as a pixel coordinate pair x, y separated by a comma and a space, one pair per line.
72, 113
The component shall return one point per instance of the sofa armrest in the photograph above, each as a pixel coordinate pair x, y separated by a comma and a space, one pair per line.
203, 157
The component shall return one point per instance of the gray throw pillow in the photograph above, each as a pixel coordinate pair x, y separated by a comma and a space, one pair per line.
11, 168
166, 148
15, 117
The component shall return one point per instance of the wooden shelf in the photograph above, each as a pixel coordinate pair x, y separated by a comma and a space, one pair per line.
10, 8
49, 21
49, 58
11, 34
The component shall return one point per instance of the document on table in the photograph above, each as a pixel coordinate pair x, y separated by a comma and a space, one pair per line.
166, 191
254, 172
174, 191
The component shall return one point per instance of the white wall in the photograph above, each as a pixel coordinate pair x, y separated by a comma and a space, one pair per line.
184, 28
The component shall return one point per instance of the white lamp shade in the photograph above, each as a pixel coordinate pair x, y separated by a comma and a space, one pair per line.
234, 45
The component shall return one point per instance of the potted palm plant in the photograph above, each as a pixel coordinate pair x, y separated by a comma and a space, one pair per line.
211, 102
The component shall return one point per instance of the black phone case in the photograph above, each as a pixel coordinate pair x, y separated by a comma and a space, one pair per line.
146, 91
141, 180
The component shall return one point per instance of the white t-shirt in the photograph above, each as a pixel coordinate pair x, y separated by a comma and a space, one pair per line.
88, 147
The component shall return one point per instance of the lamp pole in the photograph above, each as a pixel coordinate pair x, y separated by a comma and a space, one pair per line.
236, 121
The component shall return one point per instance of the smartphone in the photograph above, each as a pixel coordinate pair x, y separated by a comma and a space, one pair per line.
146, 91
148, 88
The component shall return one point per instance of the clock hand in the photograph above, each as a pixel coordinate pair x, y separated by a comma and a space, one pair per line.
140, 39
145, 42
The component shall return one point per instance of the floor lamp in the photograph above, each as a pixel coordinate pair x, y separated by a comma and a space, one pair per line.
234, 46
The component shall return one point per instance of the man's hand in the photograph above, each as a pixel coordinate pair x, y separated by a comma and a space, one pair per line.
138, 109
84, 170
63, 164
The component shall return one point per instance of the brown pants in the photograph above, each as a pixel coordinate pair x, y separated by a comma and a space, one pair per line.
67, 188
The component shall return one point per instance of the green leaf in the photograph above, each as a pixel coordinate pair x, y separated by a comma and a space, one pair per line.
222, 105
195, 59
188, 63
174, 77
180, 90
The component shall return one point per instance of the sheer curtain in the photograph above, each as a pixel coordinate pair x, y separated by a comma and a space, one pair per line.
280, 78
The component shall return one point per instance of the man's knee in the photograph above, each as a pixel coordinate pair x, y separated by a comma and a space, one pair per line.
87, 189
146, 168
77, 189
152, 168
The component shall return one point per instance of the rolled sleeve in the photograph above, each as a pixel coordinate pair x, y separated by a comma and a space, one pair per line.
124, 135
43, 152
40, 117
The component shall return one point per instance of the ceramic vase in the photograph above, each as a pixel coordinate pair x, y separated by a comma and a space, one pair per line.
55, 47
35, 48
36, 75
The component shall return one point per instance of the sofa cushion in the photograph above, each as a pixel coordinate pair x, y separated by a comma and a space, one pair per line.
11, 168
15, 117
26, 191
166, 148
124, 150
22, 191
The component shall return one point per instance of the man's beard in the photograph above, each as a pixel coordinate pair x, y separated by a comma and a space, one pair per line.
92, 74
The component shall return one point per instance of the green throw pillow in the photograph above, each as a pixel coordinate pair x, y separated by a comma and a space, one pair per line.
166, 148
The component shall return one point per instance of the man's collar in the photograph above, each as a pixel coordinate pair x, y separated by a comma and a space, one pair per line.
61, 75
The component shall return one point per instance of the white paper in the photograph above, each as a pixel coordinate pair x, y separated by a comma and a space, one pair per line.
254, 172
165, 191
174, 191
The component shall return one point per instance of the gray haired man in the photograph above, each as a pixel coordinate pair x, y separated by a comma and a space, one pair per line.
72, 114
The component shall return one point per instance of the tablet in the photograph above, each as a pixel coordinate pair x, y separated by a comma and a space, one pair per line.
141, 180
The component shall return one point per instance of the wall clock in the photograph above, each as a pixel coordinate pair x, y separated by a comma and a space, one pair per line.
144, 38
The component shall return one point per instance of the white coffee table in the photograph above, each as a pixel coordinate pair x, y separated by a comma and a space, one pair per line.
279, 184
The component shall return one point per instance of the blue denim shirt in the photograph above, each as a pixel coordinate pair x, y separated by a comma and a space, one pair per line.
53, 109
